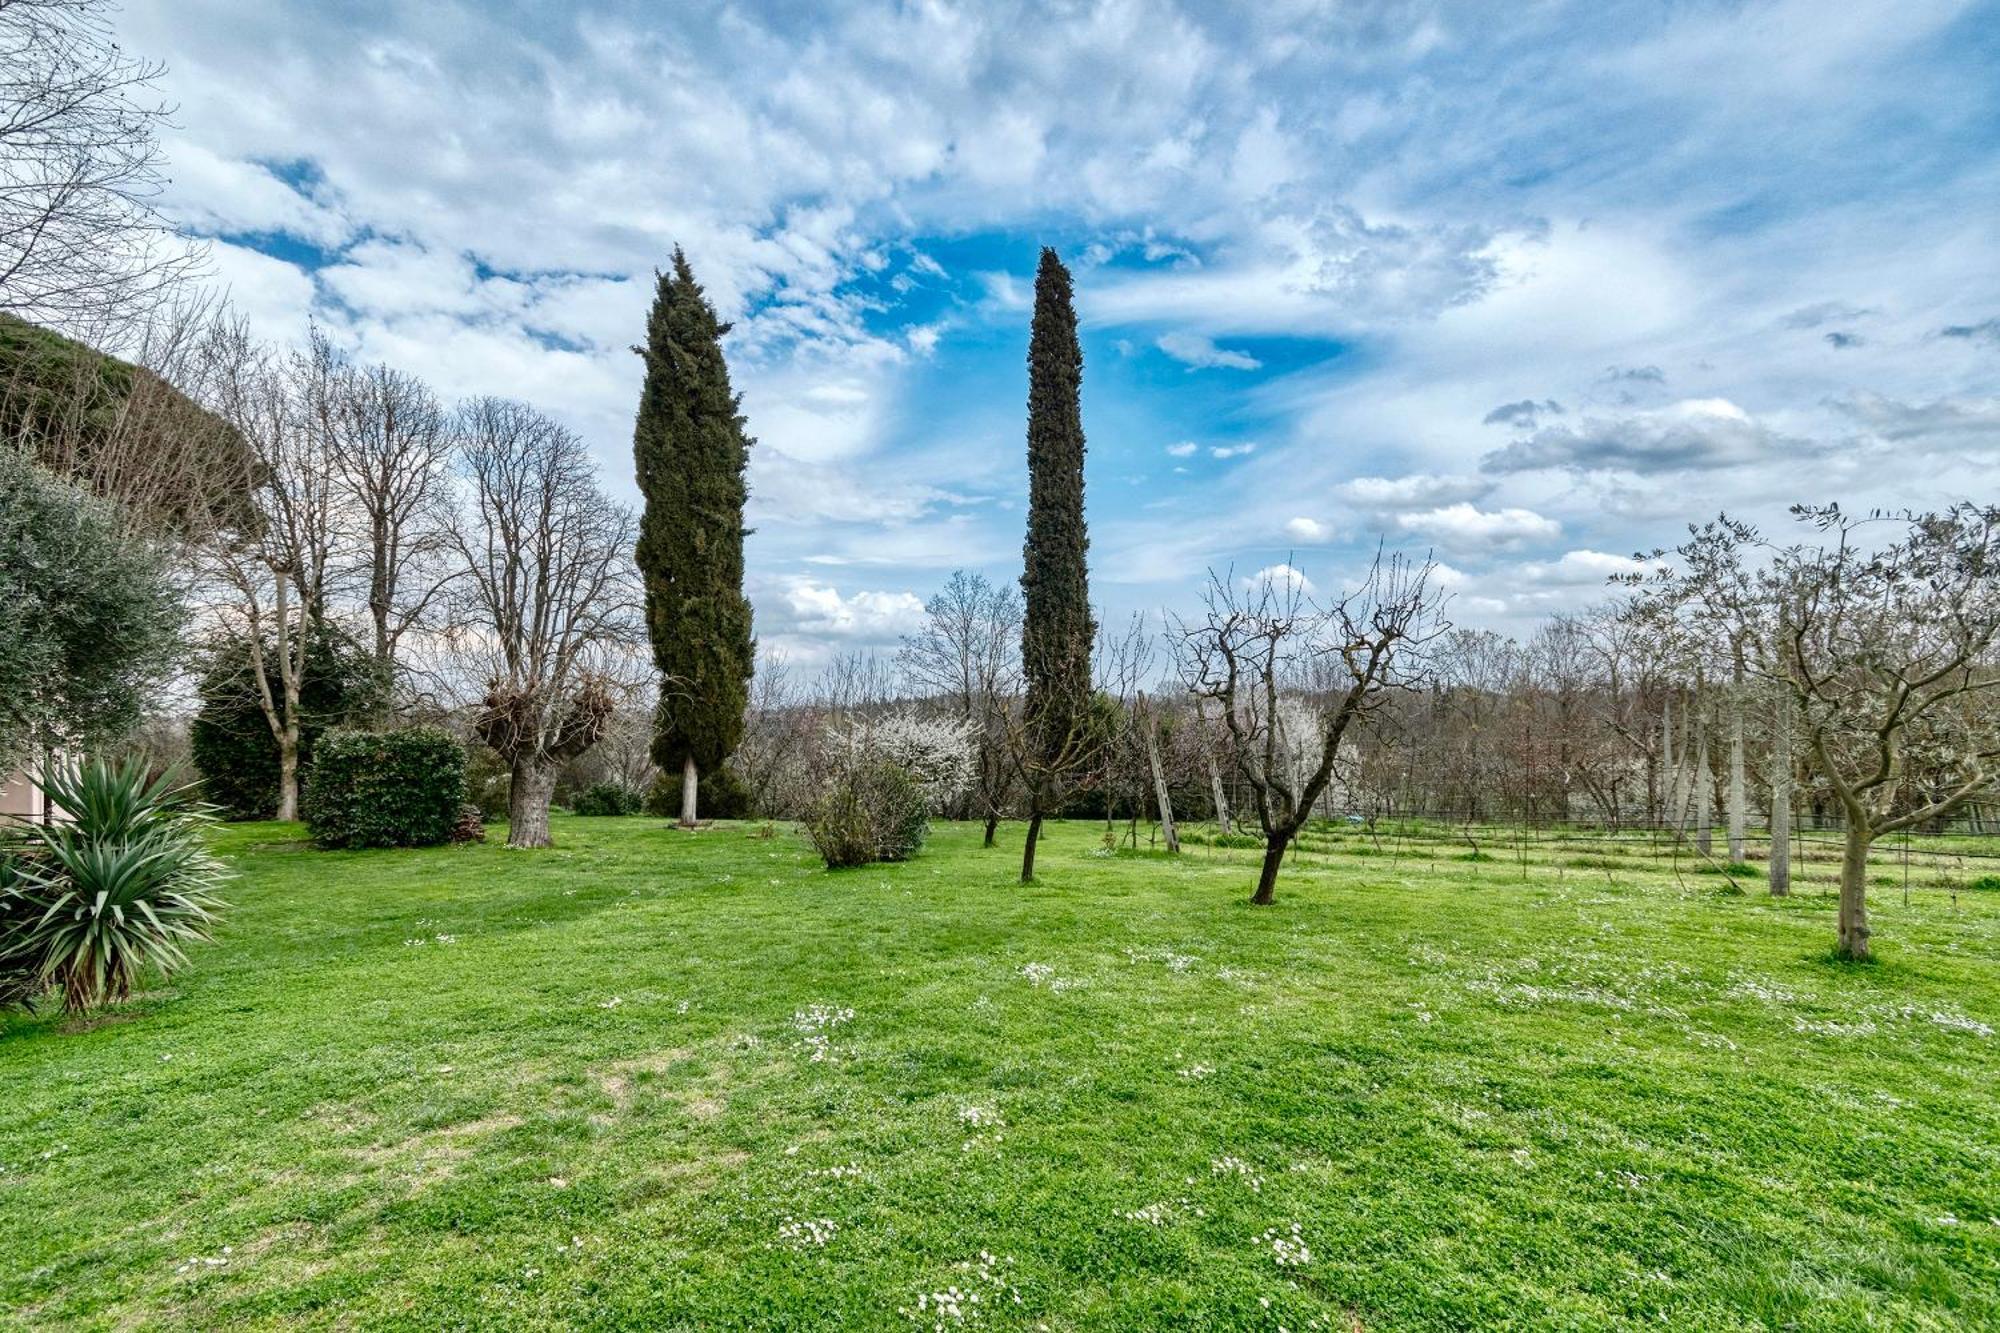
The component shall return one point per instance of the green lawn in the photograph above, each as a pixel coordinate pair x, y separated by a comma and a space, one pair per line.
658, 1080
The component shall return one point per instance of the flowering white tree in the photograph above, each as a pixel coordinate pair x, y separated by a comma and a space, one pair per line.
940, 755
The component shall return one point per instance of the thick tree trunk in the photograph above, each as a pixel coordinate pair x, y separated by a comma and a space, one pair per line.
1028, 851
1854, 892
1221, 797
1779, 868
1267, 878
690, 785
992, 827
533, 786
288, 771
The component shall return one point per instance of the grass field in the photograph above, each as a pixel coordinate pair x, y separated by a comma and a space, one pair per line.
660, 1080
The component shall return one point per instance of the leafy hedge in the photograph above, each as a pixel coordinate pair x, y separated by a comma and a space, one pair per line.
385, 788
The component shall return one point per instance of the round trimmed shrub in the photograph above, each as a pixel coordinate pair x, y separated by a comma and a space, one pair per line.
385, 788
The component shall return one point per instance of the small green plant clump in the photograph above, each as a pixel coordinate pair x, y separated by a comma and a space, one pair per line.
608, 798
874, 811
385, 788
87, 906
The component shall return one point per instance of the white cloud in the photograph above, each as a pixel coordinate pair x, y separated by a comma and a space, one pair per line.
819, 608
1185, 449
1200, 353
1281, 577
1416, 490
1466, 523
1581, 568
1233, 450
1308, 530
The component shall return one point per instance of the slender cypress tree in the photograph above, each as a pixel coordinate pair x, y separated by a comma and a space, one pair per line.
1056, 627
691, 451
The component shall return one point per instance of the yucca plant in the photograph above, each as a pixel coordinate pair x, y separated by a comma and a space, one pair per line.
119, 889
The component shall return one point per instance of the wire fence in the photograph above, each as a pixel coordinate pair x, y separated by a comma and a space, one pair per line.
1911, 861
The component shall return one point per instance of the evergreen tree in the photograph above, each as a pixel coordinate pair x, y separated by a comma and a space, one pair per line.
232, 745
691, 451
1056, 627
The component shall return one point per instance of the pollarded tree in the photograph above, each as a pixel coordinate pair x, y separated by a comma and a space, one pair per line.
690, 450
1057, 630
1269, 656
546, 603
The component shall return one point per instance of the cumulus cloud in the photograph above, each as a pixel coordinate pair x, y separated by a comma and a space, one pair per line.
1185, 449
1308, 530
1581, 568
1281, 578
1417, 490
1470, 525
1693, 433
1198, 352
820, 608
1233, 450
1526, 412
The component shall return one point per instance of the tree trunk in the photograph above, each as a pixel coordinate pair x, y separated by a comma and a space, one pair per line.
1736, 794
1028, 851
1854, 892
288, 770
690, 785
1704, 786
1670, 761
1160, 792
1779, 869
528, 799
1267, 878
1221, 798
992, 826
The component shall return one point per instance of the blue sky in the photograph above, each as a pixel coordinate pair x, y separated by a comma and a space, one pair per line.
1529, 286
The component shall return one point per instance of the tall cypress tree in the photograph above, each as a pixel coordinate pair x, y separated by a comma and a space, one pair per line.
691, 451
1056, 627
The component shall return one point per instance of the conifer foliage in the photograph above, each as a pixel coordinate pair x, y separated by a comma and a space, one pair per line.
1056, 629
690, 449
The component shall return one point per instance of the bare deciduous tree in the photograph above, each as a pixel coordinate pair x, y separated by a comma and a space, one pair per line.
83, 246
1262, 646
275, 578
546, 601
391, 447
1885, 650
967, 653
